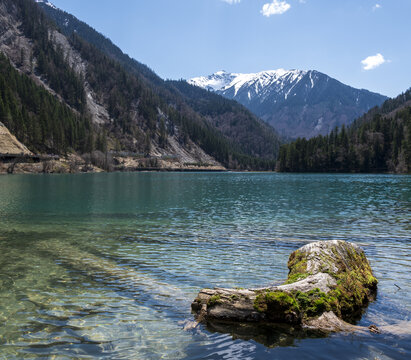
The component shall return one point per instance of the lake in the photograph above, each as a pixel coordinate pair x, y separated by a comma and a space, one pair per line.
106, 265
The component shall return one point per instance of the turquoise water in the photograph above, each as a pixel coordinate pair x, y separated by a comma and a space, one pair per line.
106, 265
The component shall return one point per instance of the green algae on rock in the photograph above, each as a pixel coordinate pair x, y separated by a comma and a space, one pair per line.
324, 277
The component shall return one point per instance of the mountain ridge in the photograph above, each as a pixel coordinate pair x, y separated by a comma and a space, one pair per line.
297, 103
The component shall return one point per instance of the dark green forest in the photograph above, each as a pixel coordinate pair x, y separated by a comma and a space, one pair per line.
232, 119
39, 119
380, 141
51, 62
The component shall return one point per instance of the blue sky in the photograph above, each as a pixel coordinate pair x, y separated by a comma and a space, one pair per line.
363, 43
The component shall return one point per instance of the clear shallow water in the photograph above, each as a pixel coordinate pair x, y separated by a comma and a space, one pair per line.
106, 265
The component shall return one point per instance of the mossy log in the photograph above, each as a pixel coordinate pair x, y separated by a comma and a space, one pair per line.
329, 284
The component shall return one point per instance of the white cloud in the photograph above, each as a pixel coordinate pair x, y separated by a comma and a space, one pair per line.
376, 7
277, 7
372, 62
232, 1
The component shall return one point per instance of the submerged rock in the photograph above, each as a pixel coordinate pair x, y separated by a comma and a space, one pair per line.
329, 283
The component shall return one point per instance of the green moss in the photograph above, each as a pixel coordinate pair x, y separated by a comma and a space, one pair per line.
296, 277
214, 300
355, 287
297, 263
275, 302
354, 290
371, 281
278, 305
234, 297
315, 302
303, 299
260, 304
282, 299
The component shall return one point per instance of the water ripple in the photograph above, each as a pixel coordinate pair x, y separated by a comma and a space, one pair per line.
105, 266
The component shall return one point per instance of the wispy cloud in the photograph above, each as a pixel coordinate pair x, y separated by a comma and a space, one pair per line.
232, 1
276, 7
376, 7
372, 62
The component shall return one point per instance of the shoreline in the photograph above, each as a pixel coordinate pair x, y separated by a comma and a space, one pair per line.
142, 170
180, 170
75, 165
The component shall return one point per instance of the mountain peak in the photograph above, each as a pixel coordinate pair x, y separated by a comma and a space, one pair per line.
296, 102
46, 2
222, 81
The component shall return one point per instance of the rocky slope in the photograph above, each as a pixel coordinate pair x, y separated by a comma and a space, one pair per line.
296, 103
9, 145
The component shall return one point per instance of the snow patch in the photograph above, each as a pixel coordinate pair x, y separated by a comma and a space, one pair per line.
312, 81
48, 3
260, 82
319, 124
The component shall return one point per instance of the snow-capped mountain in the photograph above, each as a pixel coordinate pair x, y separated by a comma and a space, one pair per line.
297, 103
252, 85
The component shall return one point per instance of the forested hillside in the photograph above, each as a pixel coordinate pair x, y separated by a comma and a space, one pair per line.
66, 94
380, 141
232, 119
242, 131
70, 25
39, 119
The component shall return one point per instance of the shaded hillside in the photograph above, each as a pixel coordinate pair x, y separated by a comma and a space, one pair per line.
380, 141
232, 119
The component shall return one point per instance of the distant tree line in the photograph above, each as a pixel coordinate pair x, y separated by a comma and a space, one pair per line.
380, 141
